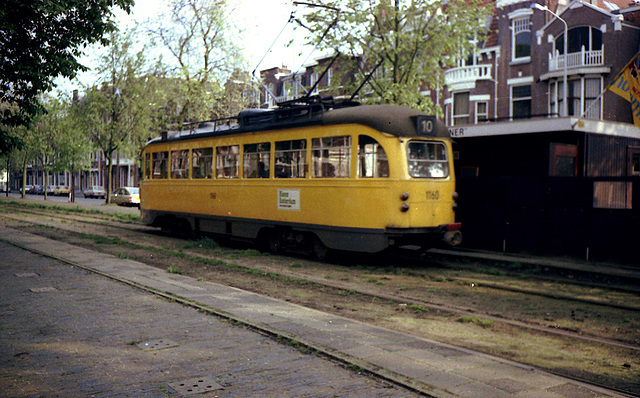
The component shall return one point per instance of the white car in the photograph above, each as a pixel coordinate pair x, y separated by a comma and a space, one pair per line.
126, 196
95, 192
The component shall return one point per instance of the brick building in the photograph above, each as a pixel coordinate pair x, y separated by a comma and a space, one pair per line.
539, 170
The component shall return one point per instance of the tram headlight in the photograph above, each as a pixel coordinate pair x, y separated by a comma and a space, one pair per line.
404, 196
404, 208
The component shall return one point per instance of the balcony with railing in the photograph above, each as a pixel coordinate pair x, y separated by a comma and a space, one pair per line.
467, 75
580, 59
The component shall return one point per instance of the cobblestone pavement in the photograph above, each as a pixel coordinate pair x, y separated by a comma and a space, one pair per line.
66, 332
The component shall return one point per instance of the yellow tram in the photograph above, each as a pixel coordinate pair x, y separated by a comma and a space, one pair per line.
358, 178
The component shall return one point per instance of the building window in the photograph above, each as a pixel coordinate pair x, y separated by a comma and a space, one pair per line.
564, 160
633, 168
521, 39
582, 97
612, 194
583, 38
460, 108
521, 102
482, 111
313, 79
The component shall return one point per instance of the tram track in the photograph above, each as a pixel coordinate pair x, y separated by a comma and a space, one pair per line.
401, 298
137, 227
404, 300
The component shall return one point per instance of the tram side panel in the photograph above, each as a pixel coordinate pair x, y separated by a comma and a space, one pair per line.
360, 214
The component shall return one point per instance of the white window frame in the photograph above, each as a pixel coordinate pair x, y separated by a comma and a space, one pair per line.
477, 112
520, 21
512, 99
462, 115
556, 92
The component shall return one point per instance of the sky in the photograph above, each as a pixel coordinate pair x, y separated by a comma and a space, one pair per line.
261, 21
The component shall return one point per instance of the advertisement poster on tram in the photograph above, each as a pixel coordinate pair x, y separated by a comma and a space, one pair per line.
289, 199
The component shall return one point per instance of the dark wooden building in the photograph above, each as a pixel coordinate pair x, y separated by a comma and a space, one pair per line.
554, 186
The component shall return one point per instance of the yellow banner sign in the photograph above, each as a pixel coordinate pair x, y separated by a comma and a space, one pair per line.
627, 85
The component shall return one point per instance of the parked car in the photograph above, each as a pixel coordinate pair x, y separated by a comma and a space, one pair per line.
126, 196
35, 190
61, 190
95, 192
41, 189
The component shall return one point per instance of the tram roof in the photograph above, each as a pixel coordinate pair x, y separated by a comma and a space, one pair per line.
391, 119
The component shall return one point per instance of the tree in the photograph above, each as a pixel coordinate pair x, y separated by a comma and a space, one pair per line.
71, 143
117, 114
201, 55
239, 93
414, 41
40, 40
10, 139
42, 138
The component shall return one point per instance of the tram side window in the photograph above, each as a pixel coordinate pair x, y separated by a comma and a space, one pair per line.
180, 164
291, 159
256, 160
147, 166
331, 157
227, 161
202, 163
160, 165
372, 159
427, 159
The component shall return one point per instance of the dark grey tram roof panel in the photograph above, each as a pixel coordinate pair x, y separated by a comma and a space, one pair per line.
392, 119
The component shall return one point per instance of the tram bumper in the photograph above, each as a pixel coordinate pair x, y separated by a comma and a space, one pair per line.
447, 235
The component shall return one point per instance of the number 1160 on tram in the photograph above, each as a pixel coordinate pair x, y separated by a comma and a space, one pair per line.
360, 178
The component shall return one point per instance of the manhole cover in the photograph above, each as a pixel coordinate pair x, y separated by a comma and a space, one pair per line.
157, 344
43, 289
26, 275
198, 385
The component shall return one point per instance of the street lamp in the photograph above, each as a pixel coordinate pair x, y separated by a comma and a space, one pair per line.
540, 7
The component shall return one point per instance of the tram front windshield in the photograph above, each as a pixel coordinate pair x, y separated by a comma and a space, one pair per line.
427, 159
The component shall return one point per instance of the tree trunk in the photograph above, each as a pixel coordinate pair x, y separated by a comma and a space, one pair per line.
24, 178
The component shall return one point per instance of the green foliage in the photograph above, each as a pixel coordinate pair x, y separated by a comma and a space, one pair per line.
196, 35
117, 114
174, 270
485, 323
40, 41
414, 41
418, 309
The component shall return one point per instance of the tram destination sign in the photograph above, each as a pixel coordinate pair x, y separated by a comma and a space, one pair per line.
426, 126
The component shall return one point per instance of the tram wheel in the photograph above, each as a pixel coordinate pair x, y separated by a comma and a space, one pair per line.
275, 242
320, 250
